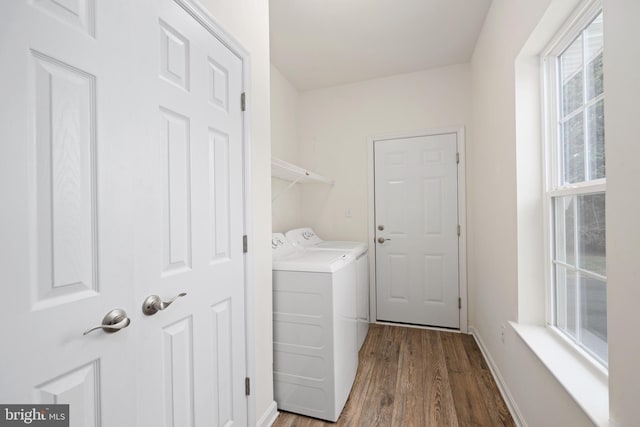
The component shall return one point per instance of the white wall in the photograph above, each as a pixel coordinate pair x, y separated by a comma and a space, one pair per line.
248, 22
286, 208
492, 216
622, 127
335, 124
497, 213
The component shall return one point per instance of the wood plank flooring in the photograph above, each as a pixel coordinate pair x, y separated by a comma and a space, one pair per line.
412, 377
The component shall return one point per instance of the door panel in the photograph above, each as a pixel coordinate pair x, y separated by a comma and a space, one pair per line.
122, 167
416, 204
65, 179
222, 361
76, 13
219, 193
175, 179
190, 223
80, 388
432, 199
178, 372
399, 276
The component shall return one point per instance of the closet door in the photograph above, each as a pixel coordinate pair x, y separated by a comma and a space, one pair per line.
69, 142
189, 228
121, 178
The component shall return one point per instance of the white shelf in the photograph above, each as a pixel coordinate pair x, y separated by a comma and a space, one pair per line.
295, 174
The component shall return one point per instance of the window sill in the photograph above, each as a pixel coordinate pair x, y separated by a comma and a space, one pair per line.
585, 382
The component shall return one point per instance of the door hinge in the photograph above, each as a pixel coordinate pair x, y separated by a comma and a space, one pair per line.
458, 230
459, 303
245, 245
243, 101
457, 158
247, 386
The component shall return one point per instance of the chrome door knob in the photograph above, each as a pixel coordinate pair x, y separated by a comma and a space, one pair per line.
153, 303
112, 322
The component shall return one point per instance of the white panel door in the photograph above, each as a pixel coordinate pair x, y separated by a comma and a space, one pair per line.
416, 214
190, 225
121, 177
68, 136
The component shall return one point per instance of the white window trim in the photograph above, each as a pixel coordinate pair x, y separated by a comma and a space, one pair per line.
551, 158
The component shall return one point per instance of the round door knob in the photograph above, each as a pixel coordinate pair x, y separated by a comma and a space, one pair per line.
382, 239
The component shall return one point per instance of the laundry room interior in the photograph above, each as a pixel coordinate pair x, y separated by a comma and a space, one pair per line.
328, 109
320, 212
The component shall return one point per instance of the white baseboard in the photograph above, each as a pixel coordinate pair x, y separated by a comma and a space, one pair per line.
269, 417
502, 386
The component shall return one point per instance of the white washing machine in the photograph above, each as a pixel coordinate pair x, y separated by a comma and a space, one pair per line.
315, 353
308, 239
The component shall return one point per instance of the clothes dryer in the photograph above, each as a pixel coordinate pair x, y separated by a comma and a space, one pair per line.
314, 329
308, 239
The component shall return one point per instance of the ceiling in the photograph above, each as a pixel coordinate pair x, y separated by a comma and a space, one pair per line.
320, 43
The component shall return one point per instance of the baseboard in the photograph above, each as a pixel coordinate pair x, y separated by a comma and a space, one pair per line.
269, 417
502, 386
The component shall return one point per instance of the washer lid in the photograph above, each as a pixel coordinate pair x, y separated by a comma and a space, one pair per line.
325, 261
287, 257
353, 247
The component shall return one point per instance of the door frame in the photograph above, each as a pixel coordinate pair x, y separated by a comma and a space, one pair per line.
462, 215
211, 24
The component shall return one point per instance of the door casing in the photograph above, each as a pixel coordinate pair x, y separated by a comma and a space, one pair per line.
462, 242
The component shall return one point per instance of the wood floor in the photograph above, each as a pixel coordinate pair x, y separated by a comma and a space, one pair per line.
412, 377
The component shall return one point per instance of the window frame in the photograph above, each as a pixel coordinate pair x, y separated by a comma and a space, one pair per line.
552, 157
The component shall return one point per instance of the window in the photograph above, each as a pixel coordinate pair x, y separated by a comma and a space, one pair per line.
576, 184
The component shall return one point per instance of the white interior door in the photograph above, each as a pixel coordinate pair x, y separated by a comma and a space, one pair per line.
416, 218
190, 228
66, 150
121, 177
